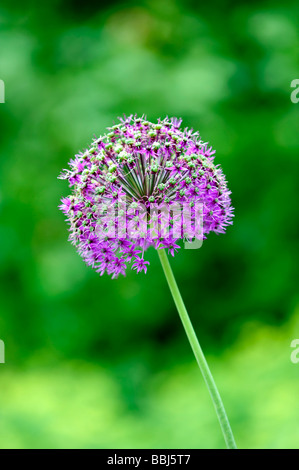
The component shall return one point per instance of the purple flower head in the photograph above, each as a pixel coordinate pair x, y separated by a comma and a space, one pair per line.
140, 185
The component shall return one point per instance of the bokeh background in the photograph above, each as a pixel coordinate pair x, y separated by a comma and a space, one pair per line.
96, 363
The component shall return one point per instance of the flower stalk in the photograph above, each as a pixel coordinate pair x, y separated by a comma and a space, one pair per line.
198, 353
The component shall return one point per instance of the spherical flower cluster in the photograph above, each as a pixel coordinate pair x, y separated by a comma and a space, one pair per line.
129, 188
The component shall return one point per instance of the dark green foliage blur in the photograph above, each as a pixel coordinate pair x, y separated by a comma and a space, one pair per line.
92, 362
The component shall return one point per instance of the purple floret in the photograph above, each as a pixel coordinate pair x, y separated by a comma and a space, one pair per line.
122, 182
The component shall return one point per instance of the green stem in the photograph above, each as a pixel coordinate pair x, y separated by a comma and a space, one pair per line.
203, 365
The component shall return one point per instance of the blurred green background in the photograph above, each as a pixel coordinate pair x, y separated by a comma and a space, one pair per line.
92, 362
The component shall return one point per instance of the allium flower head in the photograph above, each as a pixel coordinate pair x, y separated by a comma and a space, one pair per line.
143, 184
